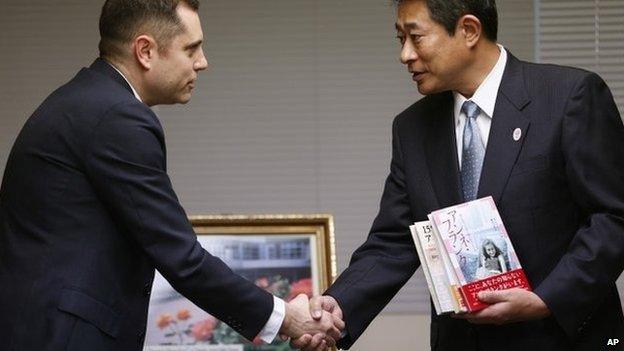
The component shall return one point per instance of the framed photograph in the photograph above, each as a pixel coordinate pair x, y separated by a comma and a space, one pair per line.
286, 255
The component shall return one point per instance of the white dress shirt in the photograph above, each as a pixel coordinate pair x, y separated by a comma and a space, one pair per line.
485, 97
273, 325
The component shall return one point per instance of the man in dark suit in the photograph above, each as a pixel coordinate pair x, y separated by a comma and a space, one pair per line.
87, 210
545, 141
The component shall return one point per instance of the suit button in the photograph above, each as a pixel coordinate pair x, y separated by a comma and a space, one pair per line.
147, 290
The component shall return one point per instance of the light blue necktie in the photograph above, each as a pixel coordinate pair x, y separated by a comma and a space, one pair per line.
472, 152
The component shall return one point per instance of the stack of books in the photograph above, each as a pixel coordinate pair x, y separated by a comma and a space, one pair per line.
465, 249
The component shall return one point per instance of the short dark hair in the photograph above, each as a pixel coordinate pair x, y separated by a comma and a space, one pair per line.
448, 12
122, 20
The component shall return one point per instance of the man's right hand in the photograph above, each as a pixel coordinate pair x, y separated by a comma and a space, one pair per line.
321, 331
319, 306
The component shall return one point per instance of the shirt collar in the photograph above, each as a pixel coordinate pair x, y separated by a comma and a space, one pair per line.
487, 92
127, 81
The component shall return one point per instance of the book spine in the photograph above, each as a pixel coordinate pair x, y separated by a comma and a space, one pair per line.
508, 280
458, 298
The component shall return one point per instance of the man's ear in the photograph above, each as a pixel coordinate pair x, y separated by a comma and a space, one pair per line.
469, 27
145, 48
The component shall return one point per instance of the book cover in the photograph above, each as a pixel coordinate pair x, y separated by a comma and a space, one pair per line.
478, 247
433, 267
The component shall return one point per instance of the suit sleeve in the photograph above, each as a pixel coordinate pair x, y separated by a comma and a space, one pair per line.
386, 260
125, 162
593, 146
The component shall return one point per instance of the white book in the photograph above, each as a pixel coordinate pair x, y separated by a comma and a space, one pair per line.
433, 267
451, 277
465, 249
477, 251
423, 263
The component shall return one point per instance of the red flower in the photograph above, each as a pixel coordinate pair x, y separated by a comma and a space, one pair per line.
183, 314
202, 331
262, 282
303, 286
164, 320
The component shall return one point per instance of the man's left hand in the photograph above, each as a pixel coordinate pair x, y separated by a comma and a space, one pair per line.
508, 306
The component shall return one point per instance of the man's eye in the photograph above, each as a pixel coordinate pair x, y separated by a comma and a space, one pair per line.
401, 39
415, 37
192, 51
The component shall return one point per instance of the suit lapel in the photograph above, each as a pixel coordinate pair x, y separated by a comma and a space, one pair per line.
502, 149
441, 154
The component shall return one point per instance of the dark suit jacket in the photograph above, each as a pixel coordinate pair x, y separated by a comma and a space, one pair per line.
87, 212
560, 192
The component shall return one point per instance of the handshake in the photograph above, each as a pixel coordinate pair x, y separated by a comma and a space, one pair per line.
312, 324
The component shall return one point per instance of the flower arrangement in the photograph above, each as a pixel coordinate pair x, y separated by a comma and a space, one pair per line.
183, 329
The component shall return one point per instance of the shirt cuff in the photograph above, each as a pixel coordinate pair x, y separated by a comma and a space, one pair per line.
273, 325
